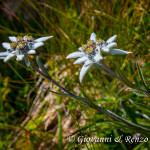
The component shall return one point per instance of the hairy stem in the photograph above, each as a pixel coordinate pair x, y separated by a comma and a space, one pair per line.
92, 105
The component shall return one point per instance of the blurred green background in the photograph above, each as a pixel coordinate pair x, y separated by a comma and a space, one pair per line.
33, 118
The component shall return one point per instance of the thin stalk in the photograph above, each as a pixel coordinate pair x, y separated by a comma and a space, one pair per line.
56, 92
54, 82
109, 70
142, 77
92, 105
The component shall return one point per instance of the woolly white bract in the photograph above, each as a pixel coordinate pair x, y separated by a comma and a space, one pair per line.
88, 54
91, 53
21, 47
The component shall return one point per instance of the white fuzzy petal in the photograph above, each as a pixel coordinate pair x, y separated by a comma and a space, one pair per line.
118, 51
2, 57
75, 55
93, 37
9, 57
43, 39
19, 57
37, 45
81, 60
24, 38
111, 39
98, 48
80, 49
15, 52
88, 62
6, 45
112, 45
12, 38
3, 54
97, 57
105, 49
31, 52
83, 71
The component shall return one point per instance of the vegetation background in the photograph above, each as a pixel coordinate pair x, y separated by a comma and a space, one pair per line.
31, 117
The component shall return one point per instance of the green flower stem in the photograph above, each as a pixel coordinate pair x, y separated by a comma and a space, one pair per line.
92, 105
142, 77
54, 82
109, 70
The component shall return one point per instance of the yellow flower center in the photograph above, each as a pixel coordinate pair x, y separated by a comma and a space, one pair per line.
21, 45
99, 41
84, 46
29, 38
13, 45
89, 50
19, 38
89, 47
90, 42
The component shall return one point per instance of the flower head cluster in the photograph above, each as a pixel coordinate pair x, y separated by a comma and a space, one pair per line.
92, 52
20, 47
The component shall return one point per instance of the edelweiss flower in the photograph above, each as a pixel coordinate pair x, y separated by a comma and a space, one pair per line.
108, 46
21, 47
88, 54
91, 53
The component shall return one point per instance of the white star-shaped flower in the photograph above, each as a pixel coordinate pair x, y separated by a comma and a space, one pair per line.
12, 52
89, 54
21, 47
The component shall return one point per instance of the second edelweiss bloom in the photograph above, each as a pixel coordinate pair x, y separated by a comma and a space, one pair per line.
21, 47
91, 53
108, 47
88, 54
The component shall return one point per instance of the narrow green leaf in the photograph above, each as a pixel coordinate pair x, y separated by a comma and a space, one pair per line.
65, 94
42, 67
131, 125
129, 83
140, 106
143, 115
125, 80
109, 70
84, 94
138, 93
99, 66
130, 112
142, 77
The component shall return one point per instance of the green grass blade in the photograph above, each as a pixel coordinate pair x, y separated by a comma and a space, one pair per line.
142, 77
